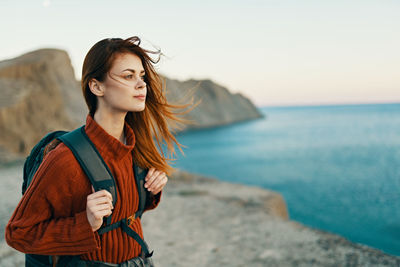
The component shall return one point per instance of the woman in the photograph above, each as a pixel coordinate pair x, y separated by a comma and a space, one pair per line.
60, 213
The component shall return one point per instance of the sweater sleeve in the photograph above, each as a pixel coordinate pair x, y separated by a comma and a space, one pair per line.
152, 201
51, 219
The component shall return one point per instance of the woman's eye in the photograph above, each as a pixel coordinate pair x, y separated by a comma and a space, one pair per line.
143, 77
129, 76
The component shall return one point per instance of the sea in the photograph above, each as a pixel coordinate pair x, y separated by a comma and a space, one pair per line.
337, 166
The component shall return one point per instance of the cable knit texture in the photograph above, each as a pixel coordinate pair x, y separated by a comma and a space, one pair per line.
51, 217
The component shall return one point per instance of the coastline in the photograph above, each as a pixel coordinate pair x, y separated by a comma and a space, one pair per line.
202, 221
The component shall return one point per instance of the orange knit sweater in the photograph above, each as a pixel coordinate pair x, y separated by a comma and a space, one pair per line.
51, 217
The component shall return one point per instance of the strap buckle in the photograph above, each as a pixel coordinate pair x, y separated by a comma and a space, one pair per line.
130, 219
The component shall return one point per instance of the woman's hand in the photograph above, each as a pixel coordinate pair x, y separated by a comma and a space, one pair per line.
98, 205
155, 181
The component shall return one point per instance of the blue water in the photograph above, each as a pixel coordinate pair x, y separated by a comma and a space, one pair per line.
338, 167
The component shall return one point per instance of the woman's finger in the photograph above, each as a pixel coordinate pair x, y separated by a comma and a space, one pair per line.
149, 174
156, 183
161, 182
103, 213
101, 207
99, 201
100, 193
153, 179
99, 198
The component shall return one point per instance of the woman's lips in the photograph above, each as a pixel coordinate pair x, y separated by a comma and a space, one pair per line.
141, 97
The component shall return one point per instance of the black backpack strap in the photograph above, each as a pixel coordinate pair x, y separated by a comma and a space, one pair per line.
140, 175
32, 260
91, 162
136, 236
68, 261
124, 224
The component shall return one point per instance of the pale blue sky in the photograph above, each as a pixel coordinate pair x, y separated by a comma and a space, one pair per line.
275, 52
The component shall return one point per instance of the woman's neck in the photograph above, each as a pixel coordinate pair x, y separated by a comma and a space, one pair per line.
112, 124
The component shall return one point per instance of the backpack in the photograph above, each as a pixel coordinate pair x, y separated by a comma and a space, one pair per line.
100, 177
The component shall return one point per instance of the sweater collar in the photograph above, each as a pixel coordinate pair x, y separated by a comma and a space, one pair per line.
106, 144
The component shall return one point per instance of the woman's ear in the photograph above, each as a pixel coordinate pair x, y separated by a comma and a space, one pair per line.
96, 87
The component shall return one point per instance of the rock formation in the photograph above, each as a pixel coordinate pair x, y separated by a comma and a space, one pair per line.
35, 98
218, 106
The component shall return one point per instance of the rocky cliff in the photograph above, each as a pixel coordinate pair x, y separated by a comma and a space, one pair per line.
34, 98
39, 93
218, 106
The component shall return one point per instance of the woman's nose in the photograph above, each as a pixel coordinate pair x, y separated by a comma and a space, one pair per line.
141, 84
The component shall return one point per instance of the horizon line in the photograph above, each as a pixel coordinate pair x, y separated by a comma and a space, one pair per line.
328, 104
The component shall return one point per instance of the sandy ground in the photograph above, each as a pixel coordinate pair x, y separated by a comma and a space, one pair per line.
204, 222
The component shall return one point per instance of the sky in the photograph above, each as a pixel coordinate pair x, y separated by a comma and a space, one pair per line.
275, 52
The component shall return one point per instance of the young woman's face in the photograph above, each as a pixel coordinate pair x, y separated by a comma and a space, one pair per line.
124, 87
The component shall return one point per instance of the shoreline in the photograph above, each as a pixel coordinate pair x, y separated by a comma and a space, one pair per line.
204, 221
